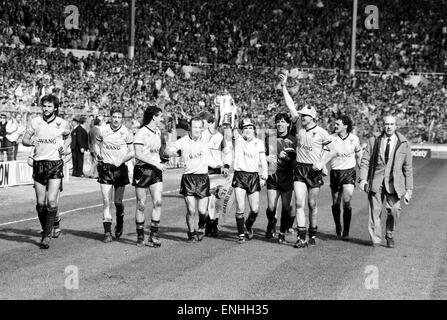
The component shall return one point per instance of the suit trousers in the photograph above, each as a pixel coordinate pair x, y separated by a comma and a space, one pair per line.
377, 200
78, 162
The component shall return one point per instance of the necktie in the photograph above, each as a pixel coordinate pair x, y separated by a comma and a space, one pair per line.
387, 150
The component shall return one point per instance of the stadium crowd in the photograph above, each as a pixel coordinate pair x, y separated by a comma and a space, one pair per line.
238, 52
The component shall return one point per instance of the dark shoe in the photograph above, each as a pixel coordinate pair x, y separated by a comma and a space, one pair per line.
191, 237
200, 234
241, 239
249, 233
107, 237
214, 231
45, 243
281, 238
270, 230
140, 240
300, 244
312, 241
154, 240
208, 227
390, 242
118, 232
345, 237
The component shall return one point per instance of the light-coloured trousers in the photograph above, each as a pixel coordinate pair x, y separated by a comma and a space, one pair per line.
377, 201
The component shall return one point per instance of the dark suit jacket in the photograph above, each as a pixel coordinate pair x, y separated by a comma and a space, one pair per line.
79, 139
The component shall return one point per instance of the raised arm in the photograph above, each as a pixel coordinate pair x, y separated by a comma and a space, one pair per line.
287, 98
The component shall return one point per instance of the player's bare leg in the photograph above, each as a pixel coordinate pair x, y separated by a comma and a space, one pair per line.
202, 206
240, 209
119, 206
253, 202
272, 202
41, 208
49, 201
286, 215
141, 196
106, 191
336, 201
191, 205
57, 221
156, 191
313, 210
348, 190
300, 191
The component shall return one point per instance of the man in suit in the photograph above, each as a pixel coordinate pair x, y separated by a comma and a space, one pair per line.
79, 145
386, 175
92, 135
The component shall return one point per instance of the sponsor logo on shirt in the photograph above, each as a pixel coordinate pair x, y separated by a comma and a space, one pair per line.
47, 141
344, 155
305, 147
195, 155
249, 155
113, 148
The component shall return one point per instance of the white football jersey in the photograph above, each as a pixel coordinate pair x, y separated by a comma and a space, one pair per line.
49, 137
310, 144
113, 143
345, 150
247, 154
195, 154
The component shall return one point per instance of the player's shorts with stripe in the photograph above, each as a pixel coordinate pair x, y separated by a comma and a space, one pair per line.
196, 185
45, 170
249, 181
110, 174
146, 175
303, 172
340, 177
214, 170
281, 181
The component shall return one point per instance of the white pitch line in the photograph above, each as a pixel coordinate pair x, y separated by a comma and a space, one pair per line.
74, 210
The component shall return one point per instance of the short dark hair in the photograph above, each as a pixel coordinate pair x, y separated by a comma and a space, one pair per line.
195, 118
207, 116
149, 114
96, 121
282, 115
116, 110
346, 121
51, 98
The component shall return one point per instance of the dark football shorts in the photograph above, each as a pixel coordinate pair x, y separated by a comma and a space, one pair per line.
249, 181
340, 177
214, 170
110, 174
281, 181
45, 170
303, 172
146, 175
195, 185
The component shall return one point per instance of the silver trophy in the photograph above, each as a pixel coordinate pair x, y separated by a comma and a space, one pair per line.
227, 109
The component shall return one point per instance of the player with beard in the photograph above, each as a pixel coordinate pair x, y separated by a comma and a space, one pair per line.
114, 149
282, 156
249, 153
311, 158
195, 183
50, 136
346, 152
148, 174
